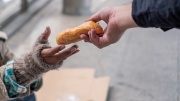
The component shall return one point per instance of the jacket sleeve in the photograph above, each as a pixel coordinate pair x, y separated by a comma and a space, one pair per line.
3, 91
8, 86
163, 14
10, 89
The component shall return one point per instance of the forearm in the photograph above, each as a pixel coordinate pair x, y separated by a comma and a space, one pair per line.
17, 76
156, 13
24, 71
124, 18
13, 88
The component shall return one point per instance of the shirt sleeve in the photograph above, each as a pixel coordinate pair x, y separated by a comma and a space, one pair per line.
163, 14
13, 88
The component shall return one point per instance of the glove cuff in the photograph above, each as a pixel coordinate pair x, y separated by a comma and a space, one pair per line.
32, 66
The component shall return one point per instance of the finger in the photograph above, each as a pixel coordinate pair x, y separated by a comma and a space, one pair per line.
46, 34
96, 17
101, 15
93, 37
100, 42
68, 52
43, 38
85, 38
77, 50
93, 34
52, 51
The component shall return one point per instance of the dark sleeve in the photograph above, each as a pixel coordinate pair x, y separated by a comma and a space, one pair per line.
163, 14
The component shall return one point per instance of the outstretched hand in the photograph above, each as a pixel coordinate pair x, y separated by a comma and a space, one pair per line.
118, 19
58, 53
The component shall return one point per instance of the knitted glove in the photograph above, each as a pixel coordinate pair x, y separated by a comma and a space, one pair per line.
32, 65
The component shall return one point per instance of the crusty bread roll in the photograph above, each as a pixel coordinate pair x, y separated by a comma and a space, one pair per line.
72, 35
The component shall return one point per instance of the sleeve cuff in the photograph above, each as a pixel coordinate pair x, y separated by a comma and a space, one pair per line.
13, 88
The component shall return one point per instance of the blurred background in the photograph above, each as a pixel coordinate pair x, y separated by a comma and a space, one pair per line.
143, 66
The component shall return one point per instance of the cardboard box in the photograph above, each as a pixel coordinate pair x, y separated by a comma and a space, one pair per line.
77, 84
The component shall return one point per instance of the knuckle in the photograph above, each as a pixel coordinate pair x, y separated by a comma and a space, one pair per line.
99, 46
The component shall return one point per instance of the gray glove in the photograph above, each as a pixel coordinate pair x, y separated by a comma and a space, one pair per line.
32, 66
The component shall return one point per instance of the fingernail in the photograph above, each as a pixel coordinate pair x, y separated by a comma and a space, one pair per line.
76, 46
76, 52
62, 47
73, 50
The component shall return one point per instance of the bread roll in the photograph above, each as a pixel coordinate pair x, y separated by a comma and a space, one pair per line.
72, 35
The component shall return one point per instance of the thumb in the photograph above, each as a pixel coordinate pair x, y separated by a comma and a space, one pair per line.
43, 38
46, 33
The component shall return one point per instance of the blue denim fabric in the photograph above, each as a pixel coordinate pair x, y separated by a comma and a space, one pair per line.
31, 97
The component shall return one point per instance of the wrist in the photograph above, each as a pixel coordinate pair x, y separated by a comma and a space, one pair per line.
124, 17
32, 66
26, 70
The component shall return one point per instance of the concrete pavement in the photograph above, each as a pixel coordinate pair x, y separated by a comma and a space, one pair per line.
144, 65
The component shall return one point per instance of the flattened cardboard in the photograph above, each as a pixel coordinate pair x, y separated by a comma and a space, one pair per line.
99, 89
78, 84
78, 87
